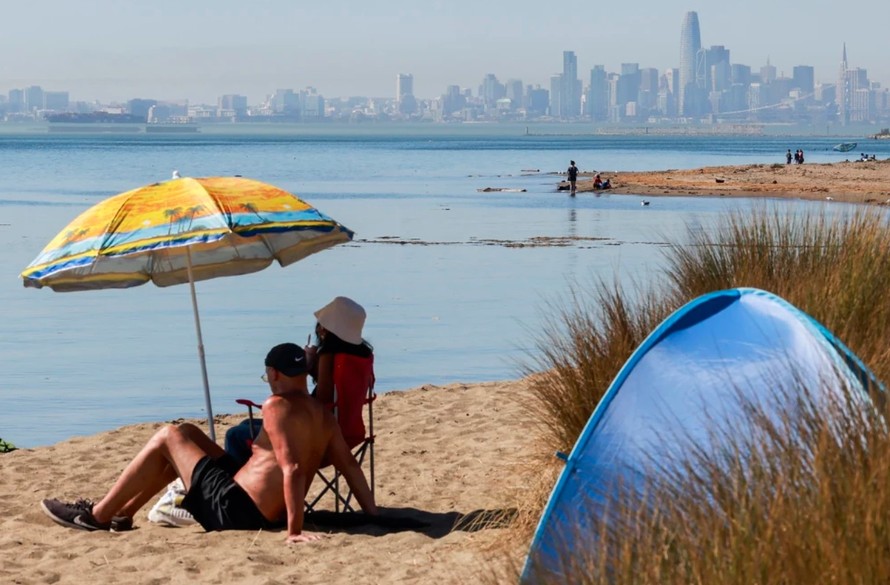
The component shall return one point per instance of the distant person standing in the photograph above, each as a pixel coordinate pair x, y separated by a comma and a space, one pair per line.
572, 172
800, 157
788, 157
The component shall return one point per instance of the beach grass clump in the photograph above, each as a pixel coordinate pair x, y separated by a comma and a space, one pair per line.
579, 354
803, 499
830, 265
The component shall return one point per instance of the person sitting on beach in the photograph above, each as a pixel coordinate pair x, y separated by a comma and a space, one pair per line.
338, 329
598, 183
299, 435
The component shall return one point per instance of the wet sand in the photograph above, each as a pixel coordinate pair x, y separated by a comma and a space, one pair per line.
852, 182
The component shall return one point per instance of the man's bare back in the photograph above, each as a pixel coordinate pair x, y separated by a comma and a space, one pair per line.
308, 430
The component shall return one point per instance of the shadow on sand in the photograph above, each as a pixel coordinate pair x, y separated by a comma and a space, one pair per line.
433, 524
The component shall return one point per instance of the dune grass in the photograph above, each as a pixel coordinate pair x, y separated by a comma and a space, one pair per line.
801, 500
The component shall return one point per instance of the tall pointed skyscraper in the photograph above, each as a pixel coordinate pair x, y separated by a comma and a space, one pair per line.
690, 44
842, 92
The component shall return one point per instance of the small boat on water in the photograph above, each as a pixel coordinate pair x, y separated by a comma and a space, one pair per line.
844, 146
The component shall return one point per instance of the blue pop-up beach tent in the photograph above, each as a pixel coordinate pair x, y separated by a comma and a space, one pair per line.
684, 379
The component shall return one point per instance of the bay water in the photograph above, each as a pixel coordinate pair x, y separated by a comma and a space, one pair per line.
455, 282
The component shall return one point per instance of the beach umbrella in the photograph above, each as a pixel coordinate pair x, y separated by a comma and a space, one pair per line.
183, 230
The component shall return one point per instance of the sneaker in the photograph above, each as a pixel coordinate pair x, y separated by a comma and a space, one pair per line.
121, 523
79, 515
168, 509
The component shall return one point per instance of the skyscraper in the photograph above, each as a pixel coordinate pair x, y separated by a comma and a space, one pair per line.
556, 101
768, 72
705, 69
598, 96
491, 90
690, 44
405, 93
570, 94
842, 92
515, 93
404, 85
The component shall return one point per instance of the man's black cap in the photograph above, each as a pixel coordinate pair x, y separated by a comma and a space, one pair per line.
287, 358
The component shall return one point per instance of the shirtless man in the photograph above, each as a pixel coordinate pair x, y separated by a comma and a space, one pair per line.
299, 434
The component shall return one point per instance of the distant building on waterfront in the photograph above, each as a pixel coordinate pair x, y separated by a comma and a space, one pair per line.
690, 45
33, 98
537, 100
767, 72
405, 101
842, 93
628, 90
598, 94
452, 102
514, 92
570, 91
139, 107
55, 101
556, 100
804, 79
856, 99
491, 91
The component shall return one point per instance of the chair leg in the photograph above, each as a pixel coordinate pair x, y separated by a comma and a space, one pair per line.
329, 486
336, 491
342, 502
371, 461
250, 424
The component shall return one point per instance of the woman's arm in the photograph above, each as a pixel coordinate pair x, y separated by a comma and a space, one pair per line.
324, 388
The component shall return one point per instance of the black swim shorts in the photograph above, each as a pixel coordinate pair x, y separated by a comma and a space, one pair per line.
217, 502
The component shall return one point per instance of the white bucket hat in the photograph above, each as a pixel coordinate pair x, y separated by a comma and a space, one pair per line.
344, 318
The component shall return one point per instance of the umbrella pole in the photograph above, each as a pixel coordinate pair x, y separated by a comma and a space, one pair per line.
188, 256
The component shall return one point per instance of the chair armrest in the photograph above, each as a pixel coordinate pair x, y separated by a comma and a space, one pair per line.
248, 403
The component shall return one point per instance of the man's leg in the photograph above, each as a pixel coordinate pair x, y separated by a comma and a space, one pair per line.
172, 451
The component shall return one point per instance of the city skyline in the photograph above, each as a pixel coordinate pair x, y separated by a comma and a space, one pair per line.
197, 52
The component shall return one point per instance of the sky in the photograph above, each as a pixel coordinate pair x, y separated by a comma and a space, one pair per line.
196, 50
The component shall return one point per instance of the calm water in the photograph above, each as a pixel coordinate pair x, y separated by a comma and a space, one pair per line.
451, 301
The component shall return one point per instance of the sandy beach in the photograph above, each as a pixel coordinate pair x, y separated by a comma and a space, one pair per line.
445, 455
852, 182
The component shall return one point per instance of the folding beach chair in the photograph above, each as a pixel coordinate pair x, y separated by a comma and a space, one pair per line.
353, 391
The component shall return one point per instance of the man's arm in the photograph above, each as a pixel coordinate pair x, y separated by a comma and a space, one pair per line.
283, 435
342, 459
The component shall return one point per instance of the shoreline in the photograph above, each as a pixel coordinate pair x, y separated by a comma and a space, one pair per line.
849, 182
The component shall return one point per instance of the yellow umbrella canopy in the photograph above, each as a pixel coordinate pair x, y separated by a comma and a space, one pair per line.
224, 225
179, 231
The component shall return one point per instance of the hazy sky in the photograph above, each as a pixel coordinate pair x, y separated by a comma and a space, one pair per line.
199, 49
